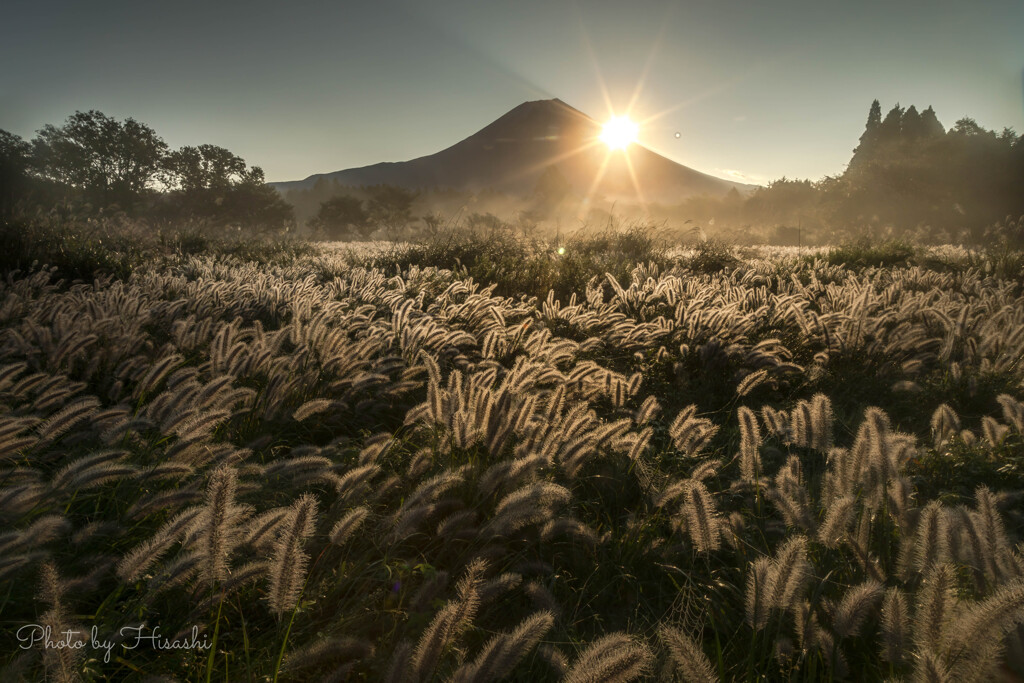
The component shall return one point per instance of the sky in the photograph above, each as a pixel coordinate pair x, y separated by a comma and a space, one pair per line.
755, 90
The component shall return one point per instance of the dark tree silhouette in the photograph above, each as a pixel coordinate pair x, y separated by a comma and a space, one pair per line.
211, 184
206, 167
890, 129
930, 124
342, 216
253, 204
14, 163
108, 161
390, 207
869, 139
912, 126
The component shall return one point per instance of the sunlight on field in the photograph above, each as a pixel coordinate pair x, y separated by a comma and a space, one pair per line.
420, 474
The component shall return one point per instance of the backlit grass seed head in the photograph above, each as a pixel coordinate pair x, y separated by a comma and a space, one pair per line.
345, 527
647, 411
931, 540
974, 640
614, 657
750, 445
991, 530
449, 622
838, 518
530, 504
337, 654
1013, 411
857, 604
691, 434
492, 589
687, 656
702, 520
133, 565
288, 560
758, 592
789, 574
801, 424
62, 663
777, 422
937, 605
751, 382
501, 654
821, 423
260, 531
895, 626
993, 431
945, 424
221, 517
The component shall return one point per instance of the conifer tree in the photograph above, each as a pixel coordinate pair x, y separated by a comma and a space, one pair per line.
930, 124
869, 138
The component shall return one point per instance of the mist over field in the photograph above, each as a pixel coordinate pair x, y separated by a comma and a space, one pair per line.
549, 396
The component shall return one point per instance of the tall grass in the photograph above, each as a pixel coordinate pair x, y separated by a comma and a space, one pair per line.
483, 458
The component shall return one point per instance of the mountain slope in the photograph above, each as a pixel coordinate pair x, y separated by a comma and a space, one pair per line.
511, 153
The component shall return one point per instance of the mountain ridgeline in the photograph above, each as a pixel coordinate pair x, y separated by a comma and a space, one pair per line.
529, 147
908, 177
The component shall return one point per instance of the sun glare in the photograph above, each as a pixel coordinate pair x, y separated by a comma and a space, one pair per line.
619, 132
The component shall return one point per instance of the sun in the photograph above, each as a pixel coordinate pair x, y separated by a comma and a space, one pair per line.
619, 132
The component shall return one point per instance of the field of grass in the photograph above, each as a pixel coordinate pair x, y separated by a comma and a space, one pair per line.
484, 459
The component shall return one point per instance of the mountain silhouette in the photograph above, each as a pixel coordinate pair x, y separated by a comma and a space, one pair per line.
512, 153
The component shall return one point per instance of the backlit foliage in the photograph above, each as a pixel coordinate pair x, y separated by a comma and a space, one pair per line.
342, 471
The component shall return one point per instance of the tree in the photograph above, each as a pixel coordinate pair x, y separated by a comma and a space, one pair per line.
869, 138
912, 126
390, 207
432, 222
254, 204
930, 124
108, 161
14, 161
342, 215
892, 125
206, 167
968, 127
485, 222
212, 184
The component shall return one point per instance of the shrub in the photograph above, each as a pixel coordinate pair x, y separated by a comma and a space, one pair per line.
864, 254
712, 256
80, 249
520, 266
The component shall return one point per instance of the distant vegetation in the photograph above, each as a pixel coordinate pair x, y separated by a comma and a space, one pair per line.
908, 179
95, 166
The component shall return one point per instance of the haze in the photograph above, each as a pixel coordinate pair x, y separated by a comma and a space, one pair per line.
756, 91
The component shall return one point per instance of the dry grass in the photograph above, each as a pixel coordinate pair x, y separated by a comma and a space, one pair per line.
781, 467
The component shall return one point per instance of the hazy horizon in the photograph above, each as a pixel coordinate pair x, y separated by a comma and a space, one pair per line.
754, 92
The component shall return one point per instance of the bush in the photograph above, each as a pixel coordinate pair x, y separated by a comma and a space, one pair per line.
864, 254
80, 249
519, 266
87, 248
712, 256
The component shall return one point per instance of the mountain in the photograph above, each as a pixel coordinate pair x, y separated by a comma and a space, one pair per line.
511, 153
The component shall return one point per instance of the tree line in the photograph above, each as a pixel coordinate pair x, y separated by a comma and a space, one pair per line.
908, 177
95, 163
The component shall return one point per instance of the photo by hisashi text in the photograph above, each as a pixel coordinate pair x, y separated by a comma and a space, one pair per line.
127, 638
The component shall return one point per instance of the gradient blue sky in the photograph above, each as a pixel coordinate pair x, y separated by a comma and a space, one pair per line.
756, 90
